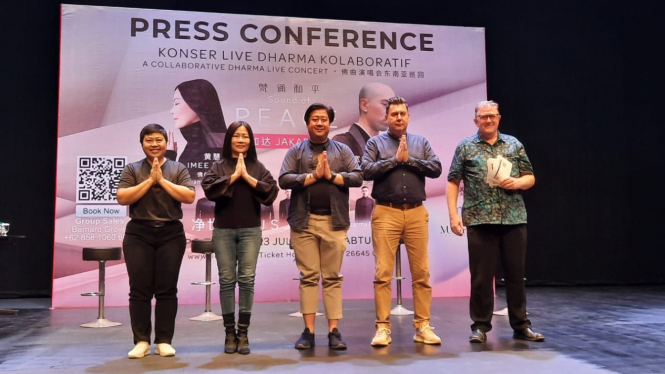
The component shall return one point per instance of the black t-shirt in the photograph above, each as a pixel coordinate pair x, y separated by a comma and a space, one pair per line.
156, 204
319, 196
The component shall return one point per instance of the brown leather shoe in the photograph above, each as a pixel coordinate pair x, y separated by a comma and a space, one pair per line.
528, 334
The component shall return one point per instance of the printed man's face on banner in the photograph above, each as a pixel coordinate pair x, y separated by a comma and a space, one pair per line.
376, 107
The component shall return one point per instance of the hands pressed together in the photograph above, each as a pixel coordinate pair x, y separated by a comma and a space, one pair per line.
322, 168
156, 172
402, 151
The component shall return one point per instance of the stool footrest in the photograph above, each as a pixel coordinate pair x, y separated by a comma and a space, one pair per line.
398, 278
206, 317
203, 283
92, 294
100, 323
400, 311
298, 314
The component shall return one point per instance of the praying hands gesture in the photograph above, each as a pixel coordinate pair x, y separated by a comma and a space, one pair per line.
322, 168
156, 172
402, 151
241, 172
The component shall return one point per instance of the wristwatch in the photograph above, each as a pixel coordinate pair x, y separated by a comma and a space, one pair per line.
332, 177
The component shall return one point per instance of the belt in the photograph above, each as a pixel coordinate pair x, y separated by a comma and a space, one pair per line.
399, 206
154, 223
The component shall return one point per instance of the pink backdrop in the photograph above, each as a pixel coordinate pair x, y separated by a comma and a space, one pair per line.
114, 81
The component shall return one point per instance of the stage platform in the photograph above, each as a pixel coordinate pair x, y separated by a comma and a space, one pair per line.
587, 329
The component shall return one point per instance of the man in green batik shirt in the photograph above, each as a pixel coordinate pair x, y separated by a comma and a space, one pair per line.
495, 219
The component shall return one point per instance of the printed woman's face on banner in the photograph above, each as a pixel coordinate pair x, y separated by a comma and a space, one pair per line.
183, 115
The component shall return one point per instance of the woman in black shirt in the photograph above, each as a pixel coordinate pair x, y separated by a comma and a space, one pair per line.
238, 184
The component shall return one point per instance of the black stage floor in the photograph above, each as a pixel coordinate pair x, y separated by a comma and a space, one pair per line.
587, 329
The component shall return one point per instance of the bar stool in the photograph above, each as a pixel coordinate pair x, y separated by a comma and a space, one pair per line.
204, 246
101, 254
399, 310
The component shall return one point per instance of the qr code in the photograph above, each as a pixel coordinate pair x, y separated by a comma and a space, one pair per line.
98, 178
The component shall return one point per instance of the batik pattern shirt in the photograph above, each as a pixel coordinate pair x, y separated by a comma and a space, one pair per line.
484, 204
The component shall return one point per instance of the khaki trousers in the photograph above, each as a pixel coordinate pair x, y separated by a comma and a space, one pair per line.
388, 225
319, 251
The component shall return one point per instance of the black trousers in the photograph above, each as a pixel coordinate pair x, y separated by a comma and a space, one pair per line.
489, 245
153, 256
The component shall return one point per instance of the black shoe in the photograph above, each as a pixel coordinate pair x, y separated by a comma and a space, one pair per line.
231, 342
335, 340
306, 340
528, 334
478, 336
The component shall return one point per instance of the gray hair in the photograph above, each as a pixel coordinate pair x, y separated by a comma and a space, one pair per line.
485, 103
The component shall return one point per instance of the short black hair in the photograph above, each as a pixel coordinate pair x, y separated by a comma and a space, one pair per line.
227, 153
317, 106
397, 100
153, 128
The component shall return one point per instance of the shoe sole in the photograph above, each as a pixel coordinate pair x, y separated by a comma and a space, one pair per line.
300, 346
339, 347
519, 337
165, 354
421, 340
381, 344
477, 341
146, 353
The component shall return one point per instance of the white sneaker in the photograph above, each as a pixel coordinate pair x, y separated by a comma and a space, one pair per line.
140, 350
165, 350
425, 334
382, 337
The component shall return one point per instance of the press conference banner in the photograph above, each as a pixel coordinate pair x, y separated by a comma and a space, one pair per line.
120, 69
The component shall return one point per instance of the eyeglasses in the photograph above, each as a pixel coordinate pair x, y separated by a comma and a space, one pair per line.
485, 117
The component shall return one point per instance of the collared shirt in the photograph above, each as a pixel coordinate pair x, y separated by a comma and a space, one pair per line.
299, 162
484, 204
399, 182
156, 204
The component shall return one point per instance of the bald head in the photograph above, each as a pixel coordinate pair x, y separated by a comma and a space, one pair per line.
372, 101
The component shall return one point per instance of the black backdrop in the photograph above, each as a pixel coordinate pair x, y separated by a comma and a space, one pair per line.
579, 83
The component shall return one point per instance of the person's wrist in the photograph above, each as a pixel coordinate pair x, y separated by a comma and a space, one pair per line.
332, 177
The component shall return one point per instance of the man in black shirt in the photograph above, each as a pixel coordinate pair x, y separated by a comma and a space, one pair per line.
319, 172
372, 101
364, 206
284, 208
398, 163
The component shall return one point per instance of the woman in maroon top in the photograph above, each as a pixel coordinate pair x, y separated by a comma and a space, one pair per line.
238, 184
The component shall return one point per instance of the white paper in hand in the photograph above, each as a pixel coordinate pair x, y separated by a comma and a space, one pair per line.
498, 169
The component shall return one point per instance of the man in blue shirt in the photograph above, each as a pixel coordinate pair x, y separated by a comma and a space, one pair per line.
398, 162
